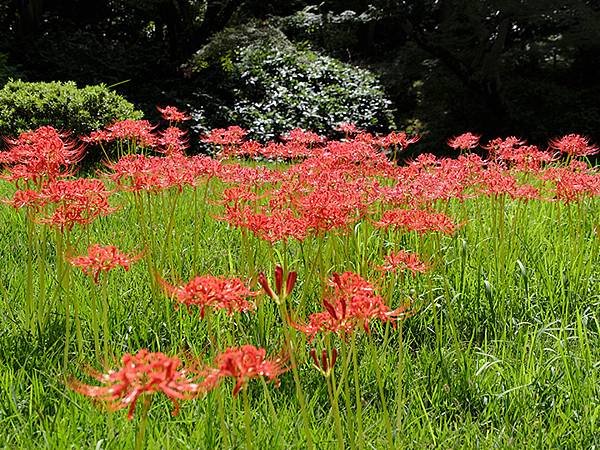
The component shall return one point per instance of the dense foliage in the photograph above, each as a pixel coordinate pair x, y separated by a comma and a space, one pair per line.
270, 86
495, 66
25, 106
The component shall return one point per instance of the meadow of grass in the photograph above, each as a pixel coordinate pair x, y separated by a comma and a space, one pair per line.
493, 344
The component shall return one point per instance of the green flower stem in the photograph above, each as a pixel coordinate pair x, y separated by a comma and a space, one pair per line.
247, 419
141, 431
291, 349
105, 321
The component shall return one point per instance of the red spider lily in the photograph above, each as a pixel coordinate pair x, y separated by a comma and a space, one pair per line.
349, 129
273, 226
280, 292
356, 152
142, 374
25, 199
229, 136
403, 260
574, 145
332, 206
172, 114
204, 166
325, 363
512, 151
499, 145
70, 202
352, 303
526, 158
235, 173
208, 291
140, 132
464, 141
172, 141
574, 182
300, 136
418, 184
398, 139
142, 173
238, 195
250, 149
340, 161
366, 138
97, 137
424, 161
102, 258
243, 363
496, 181
289, 151
40, 154
350, 283
417, 220
346, 160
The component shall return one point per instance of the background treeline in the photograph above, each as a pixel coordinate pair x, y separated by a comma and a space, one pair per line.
436, 67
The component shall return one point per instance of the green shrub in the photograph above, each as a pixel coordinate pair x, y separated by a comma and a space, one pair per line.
270, 86
25, 106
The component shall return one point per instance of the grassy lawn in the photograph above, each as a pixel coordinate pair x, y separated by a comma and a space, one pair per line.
496, 344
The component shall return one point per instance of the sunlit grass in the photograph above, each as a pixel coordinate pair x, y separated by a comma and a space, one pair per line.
503, 351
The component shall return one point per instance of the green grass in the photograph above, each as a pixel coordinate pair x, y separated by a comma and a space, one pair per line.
504, 351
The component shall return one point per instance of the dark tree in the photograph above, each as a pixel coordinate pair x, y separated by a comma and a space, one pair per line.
492, 66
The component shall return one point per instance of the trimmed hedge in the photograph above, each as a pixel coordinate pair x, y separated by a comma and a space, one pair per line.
25, 106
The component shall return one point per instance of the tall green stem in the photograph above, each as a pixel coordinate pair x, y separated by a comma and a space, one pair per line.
105, 321
247, 419
291, 348
357, 395
335, 410
141, 432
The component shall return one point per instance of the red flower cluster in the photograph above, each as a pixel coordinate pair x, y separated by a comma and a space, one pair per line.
144, 373
574, 145
208, 291
79, 201
302, 137
42, 154
403, 260
464, 141
288, 151
151, 173
526, 158
332, 207
496, 181
172, 141
353, 302
499, 146
172, 114
417, 220
573, 182
353, 153
139, 132
271, 226
349, 129
230, 136
243, 363
398, 139
102, 258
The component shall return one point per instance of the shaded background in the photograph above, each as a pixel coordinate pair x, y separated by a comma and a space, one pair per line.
495, 67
